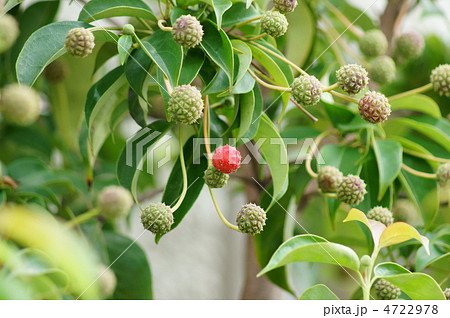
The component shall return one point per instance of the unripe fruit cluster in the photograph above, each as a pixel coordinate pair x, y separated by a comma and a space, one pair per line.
79, 42
285, 6
214, 178
352, 78
114, 202
351, 190
329, 178
19, 104
443, 174
440, 79
251, 219
373, 43
9, 31
157, 218
386, 291
187, 31
382, 69
185, 105
408, 46
381, 215
374, 107
274, 23
306, 90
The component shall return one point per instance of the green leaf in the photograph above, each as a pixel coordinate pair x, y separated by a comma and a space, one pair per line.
312, 248
439, 248
318, 292
166, 53
192, 63
417, 102
238, 13
218, 47
124, 46
43, 47
389, 158
137, 71
195, 168
220, 6
376, 228
422, 192
399, 232
135, 109
244, 58
302, 29
257, 113
338, 115
101, 9
245, 85
9, 5
274, 152
138, 146
417, 286
132, 270
246, 108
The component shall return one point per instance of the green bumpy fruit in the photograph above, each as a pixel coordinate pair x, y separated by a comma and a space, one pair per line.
381, 215
351, 190
306, 90
447, 293
128, 29
274, 23
114, 202
285, 6
443, 174
251, 219
9, 31
56, 71
365, 261
352, 78
329, 179
440, 79
185, 105
382, 70
386, 291
408, 46
157, 218
373, 43
19, 105
187, 31
79, 42
374, 107
214, 178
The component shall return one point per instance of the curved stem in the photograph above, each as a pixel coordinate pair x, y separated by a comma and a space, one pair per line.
345, 97
257, 37
260, 81
183, 170
330, 88
424, 156
245, 22
313, 149
314, 119
144, 23
224, 220
418, 173
83, 217
418, 90
162, 27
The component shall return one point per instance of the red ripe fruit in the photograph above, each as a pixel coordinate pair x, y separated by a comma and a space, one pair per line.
226, 159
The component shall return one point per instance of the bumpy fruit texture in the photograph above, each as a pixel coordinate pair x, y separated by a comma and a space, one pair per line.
187, 31
226, 159
447, 293
185, 105
285, 6
351, 190
214, 178
386, 291
440, 78
381, 215
306, 90
329, 179
274, 23
352, 78
443, 174
19, 105
157, 218
382, 70
114, 202
79, 42
128, 29
56, 71
374, 107
9, 31
408, 46
251, 219
373, 43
